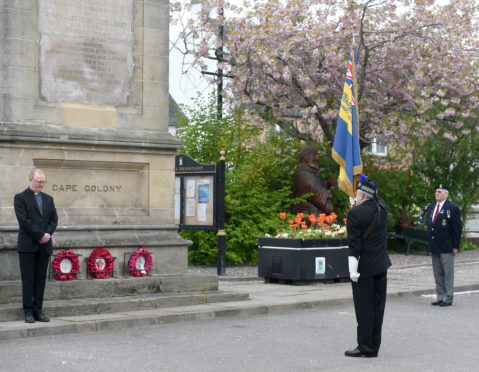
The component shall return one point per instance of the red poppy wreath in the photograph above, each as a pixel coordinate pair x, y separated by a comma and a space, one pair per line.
65, 265
100, 263
140, 262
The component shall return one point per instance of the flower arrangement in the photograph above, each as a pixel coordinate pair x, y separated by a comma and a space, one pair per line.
311, 227
100, 263
140, 262
413, 216
65, 265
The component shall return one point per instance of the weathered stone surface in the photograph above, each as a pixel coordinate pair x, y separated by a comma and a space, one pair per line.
86, 51
81, 99
10, 291
93, 116
89, 306
20, 36
136, 139
169, 251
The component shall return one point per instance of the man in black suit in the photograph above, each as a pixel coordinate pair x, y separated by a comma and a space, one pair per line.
444, 229
368, 264
37, 220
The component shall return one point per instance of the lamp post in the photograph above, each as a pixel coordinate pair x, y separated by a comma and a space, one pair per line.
219, 72
219, 55
220, 214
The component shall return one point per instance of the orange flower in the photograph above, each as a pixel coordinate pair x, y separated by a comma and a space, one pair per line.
330, 218
304, 226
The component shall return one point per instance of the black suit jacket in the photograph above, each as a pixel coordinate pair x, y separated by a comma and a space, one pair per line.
371, 251
32, 224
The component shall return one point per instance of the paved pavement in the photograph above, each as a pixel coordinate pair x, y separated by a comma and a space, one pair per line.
416, 337
404, 281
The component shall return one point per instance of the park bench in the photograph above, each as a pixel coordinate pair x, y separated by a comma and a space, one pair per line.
411, 235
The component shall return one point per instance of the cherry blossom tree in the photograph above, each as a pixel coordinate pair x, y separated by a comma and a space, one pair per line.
418, 62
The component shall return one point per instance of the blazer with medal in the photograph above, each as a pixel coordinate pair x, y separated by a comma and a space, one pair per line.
33, 224
445, 233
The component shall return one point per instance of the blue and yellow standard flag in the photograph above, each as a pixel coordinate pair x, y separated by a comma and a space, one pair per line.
346, 150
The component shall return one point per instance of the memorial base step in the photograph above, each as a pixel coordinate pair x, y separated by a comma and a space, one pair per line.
89, 306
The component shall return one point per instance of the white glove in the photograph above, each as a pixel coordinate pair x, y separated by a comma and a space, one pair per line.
353, 268
352, 201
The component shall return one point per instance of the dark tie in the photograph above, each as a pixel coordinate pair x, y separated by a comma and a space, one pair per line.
38, 199
435, 215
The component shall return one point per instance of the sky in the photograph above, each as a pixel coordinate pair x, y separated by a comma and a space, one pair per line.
185, 87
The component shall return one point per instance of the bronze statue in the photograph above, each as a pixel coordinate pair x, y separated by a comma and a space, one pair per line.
308, 181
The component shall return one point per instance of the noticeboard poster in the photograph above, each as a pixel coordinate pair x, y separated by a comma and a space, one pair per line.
196, 188
197, 206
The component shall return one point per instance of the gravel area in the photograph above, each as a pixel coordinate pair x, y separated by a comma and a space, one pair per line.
397, 259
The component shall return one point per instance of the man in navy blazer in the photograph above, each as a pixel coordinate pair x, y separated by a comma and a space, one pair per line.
37, 220
444, 228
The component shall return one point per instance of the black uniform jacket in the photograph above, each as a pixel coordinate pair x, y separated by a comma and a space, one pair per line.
371, 251
445, 233
32, 224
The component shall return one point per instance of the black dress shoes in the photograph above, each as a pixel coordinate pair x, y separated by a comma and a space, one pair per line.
29, 317
356, 353
436, 303
445, 303
39, 316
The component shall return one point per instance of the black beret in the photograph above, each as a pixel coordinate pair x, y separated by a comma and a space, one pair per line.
368, 187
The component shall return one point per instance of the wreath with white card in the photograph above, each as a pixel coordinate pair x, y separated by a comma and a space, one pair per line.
100, 263
140, 262
65, 265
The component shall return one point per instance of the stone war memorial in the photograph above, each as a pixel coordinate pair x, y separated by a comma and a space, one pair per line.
84, 97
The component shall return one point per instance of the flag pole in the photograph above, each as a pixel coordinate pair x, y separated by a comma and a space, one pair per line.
355, 177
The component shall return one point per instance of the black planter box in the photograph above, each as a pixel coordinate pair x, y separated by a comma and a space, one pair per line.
303, 259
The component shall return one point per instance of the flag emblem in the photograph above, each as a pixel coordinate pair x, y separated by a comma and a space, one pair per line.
346, 151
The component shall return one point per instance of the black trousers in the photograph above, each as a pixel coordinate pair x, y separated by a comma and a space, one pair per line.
33, 270
369, 296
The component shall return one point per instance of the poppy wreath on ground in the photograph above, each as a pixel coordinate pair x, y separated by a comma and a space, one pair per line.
65, 265
100, 263
140, 262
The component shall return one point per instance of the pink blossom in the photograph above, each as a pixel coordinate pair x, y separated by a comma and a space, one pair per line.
449, 136
292, 54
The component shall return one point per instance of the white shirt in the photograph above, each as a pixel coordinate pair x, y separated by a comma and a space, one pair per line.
440, 207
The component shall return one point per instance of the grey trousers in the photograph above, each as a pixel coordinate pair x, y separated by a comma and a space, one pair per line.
443, 270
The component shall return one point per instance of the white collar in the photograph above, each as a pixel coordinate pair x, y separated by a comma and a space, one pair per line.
441, 204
